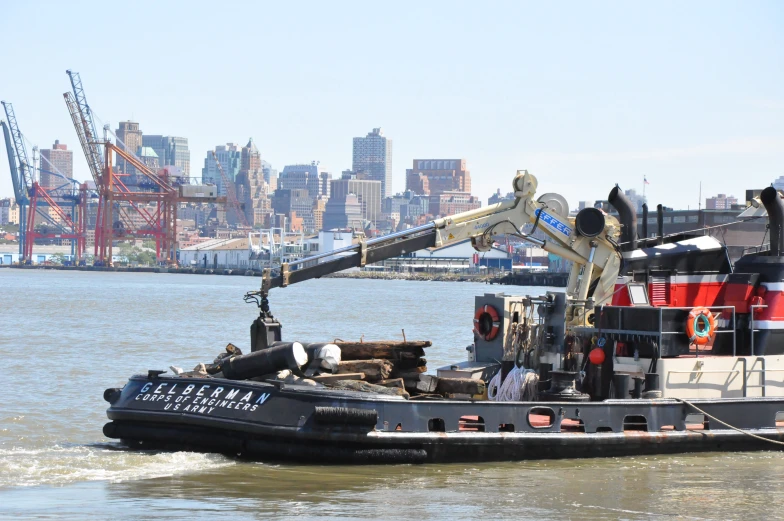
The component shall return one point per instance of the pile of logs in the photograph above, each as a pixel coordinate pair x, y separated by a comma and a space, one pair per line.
396, 364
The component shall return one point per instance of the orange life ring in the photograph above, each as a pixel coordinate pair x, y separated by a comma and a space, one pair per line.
700, 326
486, 322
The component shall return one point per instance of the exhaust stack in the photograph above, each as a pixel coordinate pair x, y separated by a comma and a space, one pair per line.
645, 221
628, 218
660, 222
775, 206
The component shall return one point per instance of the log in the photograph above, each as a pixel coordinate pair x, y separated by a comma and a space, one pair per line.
393, 382
355, 385
412, 373
374, 369
388, 350
409, 363
331, 378
460, 386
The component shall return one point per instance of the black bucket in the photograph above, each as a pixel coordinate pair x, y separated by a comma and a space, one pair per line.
621, 385
652, 382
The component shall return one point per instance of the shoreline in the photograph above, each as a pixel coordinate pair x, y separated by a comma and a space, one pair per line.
517, 279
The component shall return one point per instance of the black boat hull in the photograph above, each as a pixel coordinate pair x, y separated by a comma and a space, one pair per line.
298, 423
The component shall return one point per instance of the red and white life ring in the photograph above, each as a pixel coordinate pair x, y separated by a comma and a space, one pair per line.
487, 322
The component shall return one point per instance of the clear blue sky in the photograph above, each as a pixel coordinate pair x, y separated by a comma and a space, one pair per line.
582, 94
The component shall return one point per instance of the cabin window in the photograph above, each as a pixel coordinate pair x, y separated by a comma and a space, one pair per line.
541, 417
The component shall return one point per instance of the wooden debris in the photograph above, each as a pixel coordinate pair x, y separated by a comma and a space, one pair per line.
393, 382
332, 378
386, 349
460, 386
374, 369
358, 385
412, 373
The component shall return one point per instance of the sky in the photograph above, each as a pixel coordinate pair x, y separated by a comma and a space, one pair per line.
584, 95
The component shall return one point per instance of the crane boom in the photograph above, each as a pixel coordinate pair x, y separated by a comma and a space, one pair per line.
24, 176
231, 195
85, 126
588, 240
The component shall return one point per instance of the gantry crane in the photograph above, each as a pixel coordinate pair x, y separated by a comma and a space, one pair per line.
129, 203
32, 198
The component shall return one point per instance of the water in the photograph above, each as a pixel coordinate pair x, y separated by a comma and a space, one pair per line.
65, 337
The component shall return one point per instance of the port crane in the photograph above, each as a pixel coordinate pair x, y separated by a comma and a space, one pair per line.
589, 241
124, 210
67, 201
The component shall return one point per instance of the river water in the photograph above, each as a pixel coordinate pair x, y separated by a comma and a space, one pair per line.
66, 336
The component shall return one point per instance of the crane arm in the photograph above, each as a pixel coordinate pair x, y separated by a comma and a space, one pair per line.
588, 240
21, 167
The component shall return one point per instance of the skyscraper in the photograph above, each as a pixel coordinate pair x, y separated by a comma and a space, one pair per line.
373, 156
171, 150
252, 190
434, 176
57, 159
129, 134
311, 177
368, 193
230, 157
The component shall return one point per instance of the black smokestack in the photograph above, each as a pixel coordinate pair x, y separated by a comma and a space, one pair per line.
660, 222
775, 207
645, 220
628, 218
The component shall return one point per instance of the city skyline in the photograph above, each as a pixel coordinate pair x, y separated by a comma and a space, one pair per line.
691, 96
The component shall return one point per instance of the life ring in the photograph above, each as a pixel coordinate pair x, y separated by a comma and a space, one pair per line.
486, 322
700, 326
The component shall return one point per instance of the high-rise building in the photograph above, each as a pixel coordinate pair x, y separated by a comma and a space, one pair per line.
368, 193
57, 159
373, 156
720, 202
171, 150
434, 176
311, 177
270, 175
343, 213
450, 203
129, 134
295, 203
252, 190
230, 157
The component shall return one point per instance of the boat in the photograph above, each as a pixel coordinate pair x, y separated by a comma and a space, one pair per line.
658, 345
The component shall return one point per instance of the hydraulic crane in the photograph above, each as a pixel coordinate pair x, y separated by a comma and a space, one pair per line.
589, 240
231, 193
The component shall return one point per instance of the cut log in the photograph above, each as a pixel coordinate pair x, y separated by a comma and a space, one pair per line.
374, 369
331, 378
404, 364
460, 386
412, 373
355, 385
388, 350
393, 382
